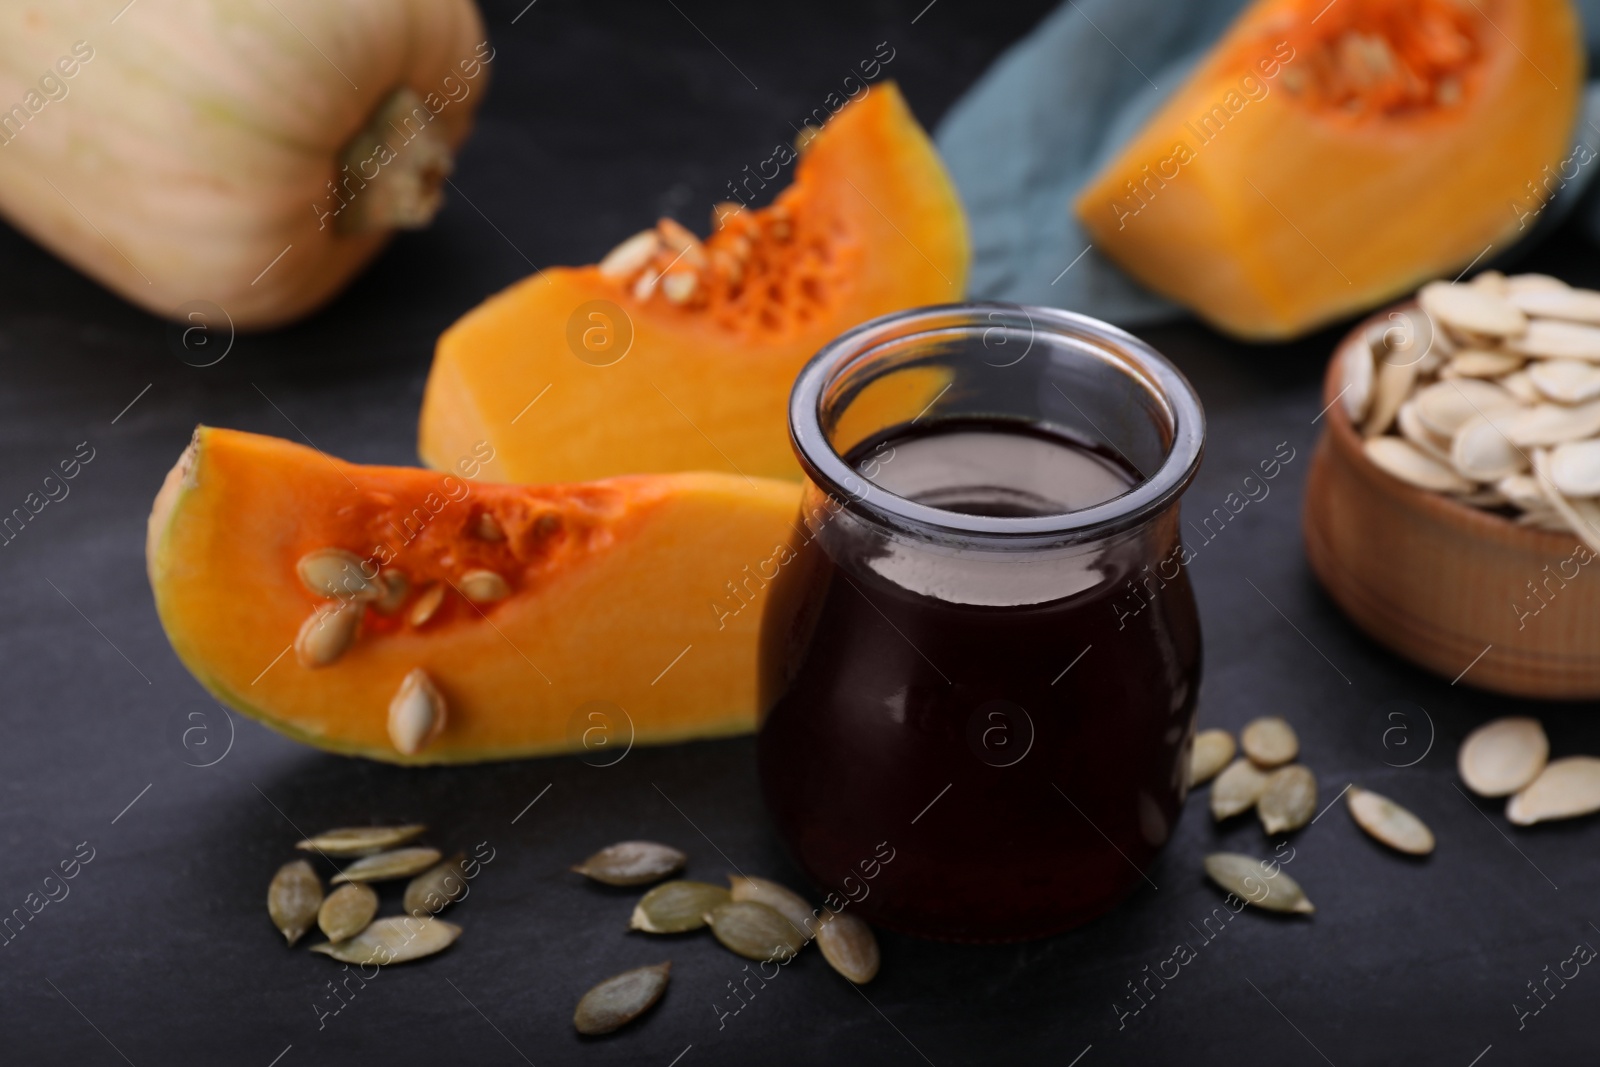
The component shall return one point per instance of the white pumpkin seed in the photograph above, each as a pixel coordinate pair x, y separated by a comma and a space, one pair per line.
395, 590
625, 260
1565, 789
1403, 460
1533, 283
1523, 491
1477, 363
395, 939
1472, 309
848, 944
347, 911
1500, 757
336, 574
328, 633
1444, 406
488, 527
1358, 372
1213, 749
1519, 384
754, 931
679, 285
1551, 339
436, 888
1388, 822
416, 713
1288, 800
360, 840
1566, 381
645, 284
1390, 390
1412, 429
674, 907
1575, 468
1491, 280
1252, 881
632, 863
428, 602
1269, 742
483, 586
781, 899
400, 863
1236, 789
1582, 517
1550, 424
618, 1001
293, 899
1482, 453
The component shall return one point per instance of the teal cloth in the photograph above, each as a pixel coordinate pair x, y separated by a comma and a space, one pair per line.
1059, 103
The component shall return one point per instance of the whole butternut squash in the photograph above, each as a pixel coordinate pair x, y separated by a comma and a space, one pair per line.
253, 154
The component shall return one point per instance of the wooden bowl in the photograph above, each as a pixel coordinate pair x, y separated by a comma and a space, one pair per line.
1461, 591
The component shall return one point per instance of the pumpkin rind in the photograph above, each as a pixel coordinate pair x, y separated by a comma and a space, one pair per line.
195, 146
871, 224
1319, 181
620, 594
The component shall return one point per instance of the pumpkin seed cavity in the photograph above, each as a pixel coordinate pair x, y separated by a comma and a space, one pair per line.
676, 907
293, 899
632, 863
400, 863
1251, 881
618, 1001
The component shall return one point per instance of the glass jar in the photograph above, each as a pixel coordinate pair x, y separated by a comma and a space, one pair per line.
980, 681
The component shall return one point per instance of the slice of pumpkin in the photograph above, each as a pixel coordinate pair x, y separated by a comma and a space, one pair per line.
608, 613
1326, 158
677, 354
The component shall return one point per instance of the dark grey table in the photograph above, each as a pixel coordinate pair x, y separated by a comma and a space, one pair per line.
599, 121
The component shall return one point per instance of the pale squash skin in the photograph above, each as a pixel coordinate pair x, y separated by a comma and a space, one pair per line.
193, 143
603, 603
1295, 215
704, 387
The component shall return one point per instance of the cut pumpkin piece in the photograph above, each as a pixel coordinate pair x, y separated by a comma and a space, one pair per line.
1326, 158
420, 617
677, 354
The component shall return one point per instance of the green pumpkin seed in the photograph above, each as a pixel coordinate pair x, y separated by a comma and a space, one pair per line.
394, 939
1213, 749
1288, 800
360, 840
437, 888
781, 899
1253, 882
674, 907
754, 931
1389, 822
347, 911
1270, 742
1236, 789
618, 1001
401, 863
632, 863
293, 899
848, 946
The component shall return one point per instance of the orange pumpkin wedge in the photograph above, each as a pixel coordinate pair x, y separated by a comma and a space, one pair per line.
677, 354
542, 618
1326, 158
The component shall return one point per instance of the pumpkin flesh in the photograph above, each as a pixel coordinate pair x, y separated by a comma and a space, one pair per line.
621, 591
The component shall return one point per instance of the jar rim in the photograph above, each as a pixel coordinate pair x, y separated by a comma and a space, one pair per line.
828, 470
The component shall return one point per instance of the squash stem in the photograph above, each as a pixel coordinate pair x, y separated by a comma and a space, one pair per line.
392, 173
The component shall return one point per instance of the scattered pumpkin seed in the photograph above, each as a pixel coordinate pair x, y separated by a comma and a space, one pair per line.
618, 1001
436, 888
1500, 757
393, 939
850, 948
674, 907
327, 633
1213, 749
336, 574
1269, 742
1288, 800
293, 899
428, 602
1236, 789
401, 863
632, 863
347, 911
781, 899
1565, 789
416, 714
360, 840
483, 586
1249, 879
1388, 822
754, 931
